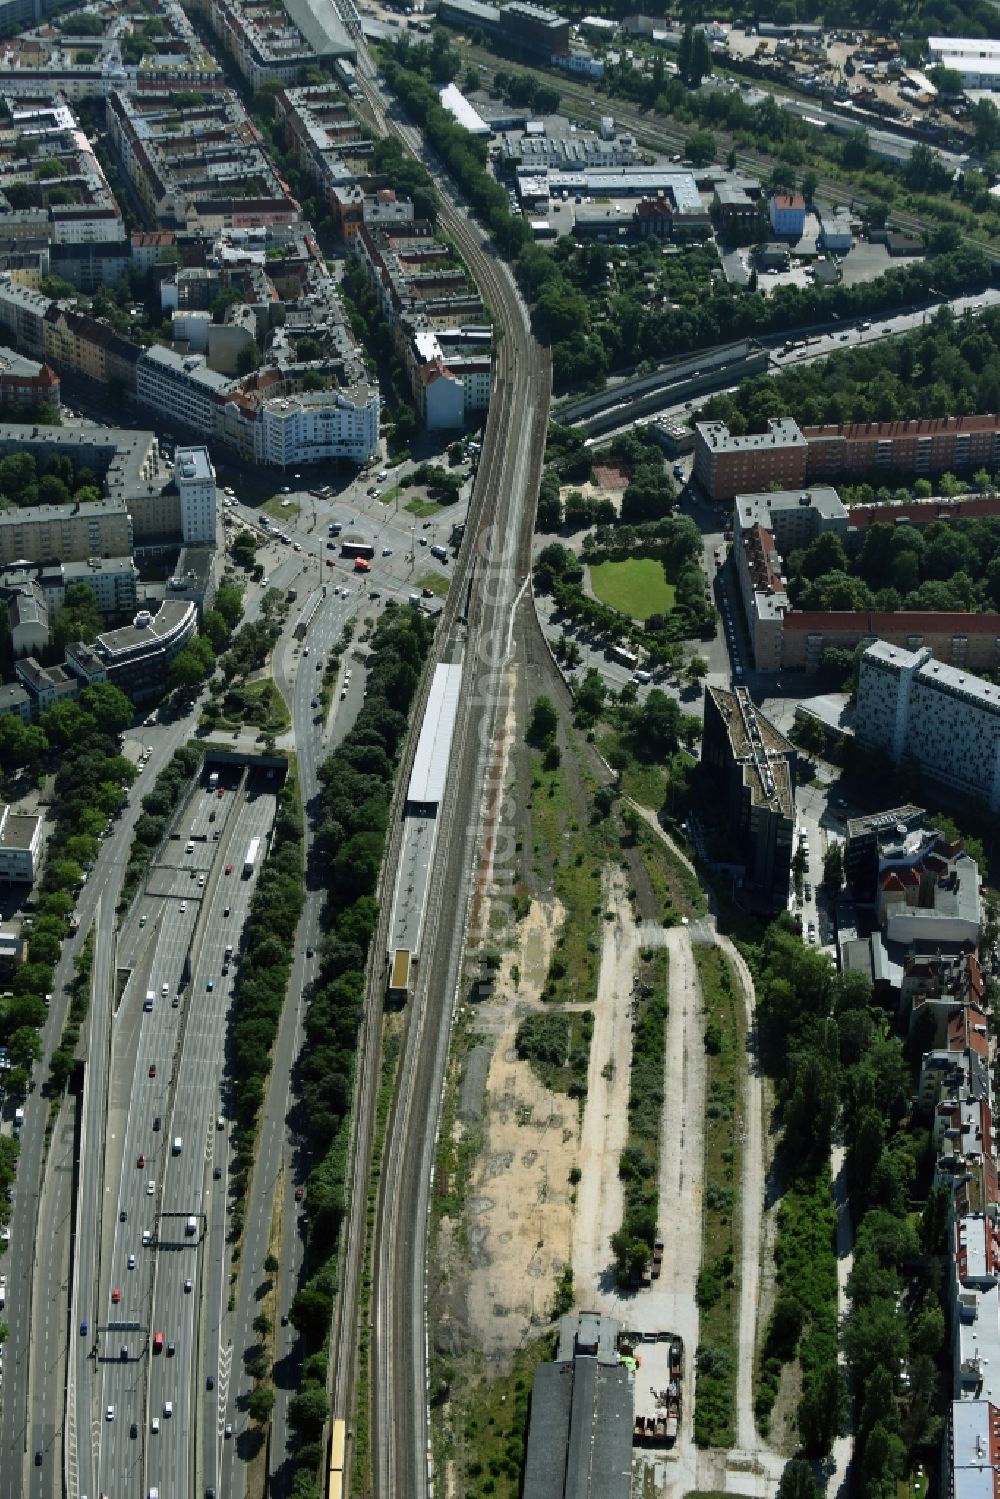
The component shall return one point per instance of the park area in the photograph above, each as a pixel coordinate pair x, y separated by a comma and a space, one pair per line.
637, 587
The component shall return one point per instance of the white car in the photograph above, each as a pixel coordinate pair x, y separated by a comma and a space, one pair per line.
131, 1261
187, 1286
168, 1408
154, 1425
382, 476
109, 1414
150, 1188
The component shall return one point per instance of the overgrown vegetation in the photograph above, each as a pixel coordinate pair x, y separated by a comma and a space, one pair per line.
725, 1048
558, 1048
481, 1421
639, 1164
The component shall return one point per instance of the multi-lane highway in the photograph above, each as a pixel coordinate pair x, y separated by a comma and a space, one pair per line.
151, 1268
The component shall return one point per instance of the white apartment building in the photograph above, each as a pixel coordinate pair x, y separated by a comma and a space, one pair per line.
319, 424
20, 845
181, 387
946, 718
195, 479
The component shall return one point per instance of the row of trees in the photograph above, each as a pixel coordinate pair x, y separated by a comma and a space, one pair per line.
158, 807
79, 740
55, 480
835, 1059
357, 785
948, 367
940, 566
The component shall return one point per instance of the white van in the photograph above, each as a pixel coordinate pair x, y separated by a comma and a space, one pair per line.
191, 1225
177, 1146
149, 1001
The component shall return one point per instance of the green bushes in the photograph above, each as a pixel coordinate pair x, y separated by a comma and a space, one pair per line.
262, 976
558, 1048
639, 1165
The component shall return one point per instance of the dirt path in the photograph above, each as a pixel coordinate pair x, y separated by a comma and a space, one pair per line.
682, 1162
605, 1120
753, 1214
843, 1447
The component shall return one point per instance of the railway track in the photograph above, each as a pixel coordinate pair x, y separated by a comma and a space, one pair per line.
493, 562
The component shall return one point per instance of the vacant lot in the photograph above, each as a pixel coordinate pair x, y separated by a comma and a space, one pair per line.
637, 587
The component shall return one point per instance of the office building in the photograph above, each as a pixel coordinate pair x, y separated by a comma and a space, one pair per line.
136, 657
754, 766
947, 719
308, 426
975, 59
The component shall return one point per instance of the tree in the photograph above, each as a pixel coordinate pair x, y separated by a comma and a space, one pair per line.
249, 358
833, 868
272, 1264
308, 1410
543, 723
261, 1324
797, 1481
700, 148
261, 1403
822, 1409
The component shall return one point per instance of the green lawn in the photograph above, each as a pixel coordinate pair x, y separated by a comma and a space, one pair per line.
636, 587
436, 582
424, 509
282, 508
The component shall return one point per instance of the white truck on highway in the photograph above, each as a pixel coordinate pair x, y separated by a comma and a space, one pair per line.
251, 859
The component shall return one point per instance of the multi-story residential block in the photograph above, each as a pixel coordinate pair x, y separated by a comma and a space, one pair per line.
20, 847
14, 700
27, 613
195, 480
25, 385
273, 43
755, 767
787, 213
72, 532
181, 387
726, 463
433, 312
200, 166
45, 685
948, 720
85, 345
766, 527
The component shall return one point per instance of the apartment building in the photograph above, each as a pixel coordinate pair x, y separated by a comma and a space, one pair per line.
27, 613
198, 166
71, 532
754, 766
946, 718
25, 384
534, 30
273, 43
767, 527
434, 313
20, 847
181, 387
195, 480
726, 464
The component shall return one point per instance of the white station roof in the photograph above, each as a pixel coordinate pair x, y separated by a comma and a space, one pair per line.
433, 757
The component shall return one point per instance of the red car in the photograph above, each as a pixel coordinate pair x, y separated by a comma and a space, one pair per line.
229, 869
330, 562
152, 1069
299, 1194
141, 1161
221, 791
116, 1295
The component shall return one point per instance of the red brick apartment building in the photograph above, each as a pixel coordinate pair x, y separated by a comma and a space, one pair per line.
726, 465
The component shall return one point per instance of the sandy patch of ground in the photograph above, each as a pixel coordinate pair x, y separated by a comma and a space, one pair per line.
519, 1212
536, 937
